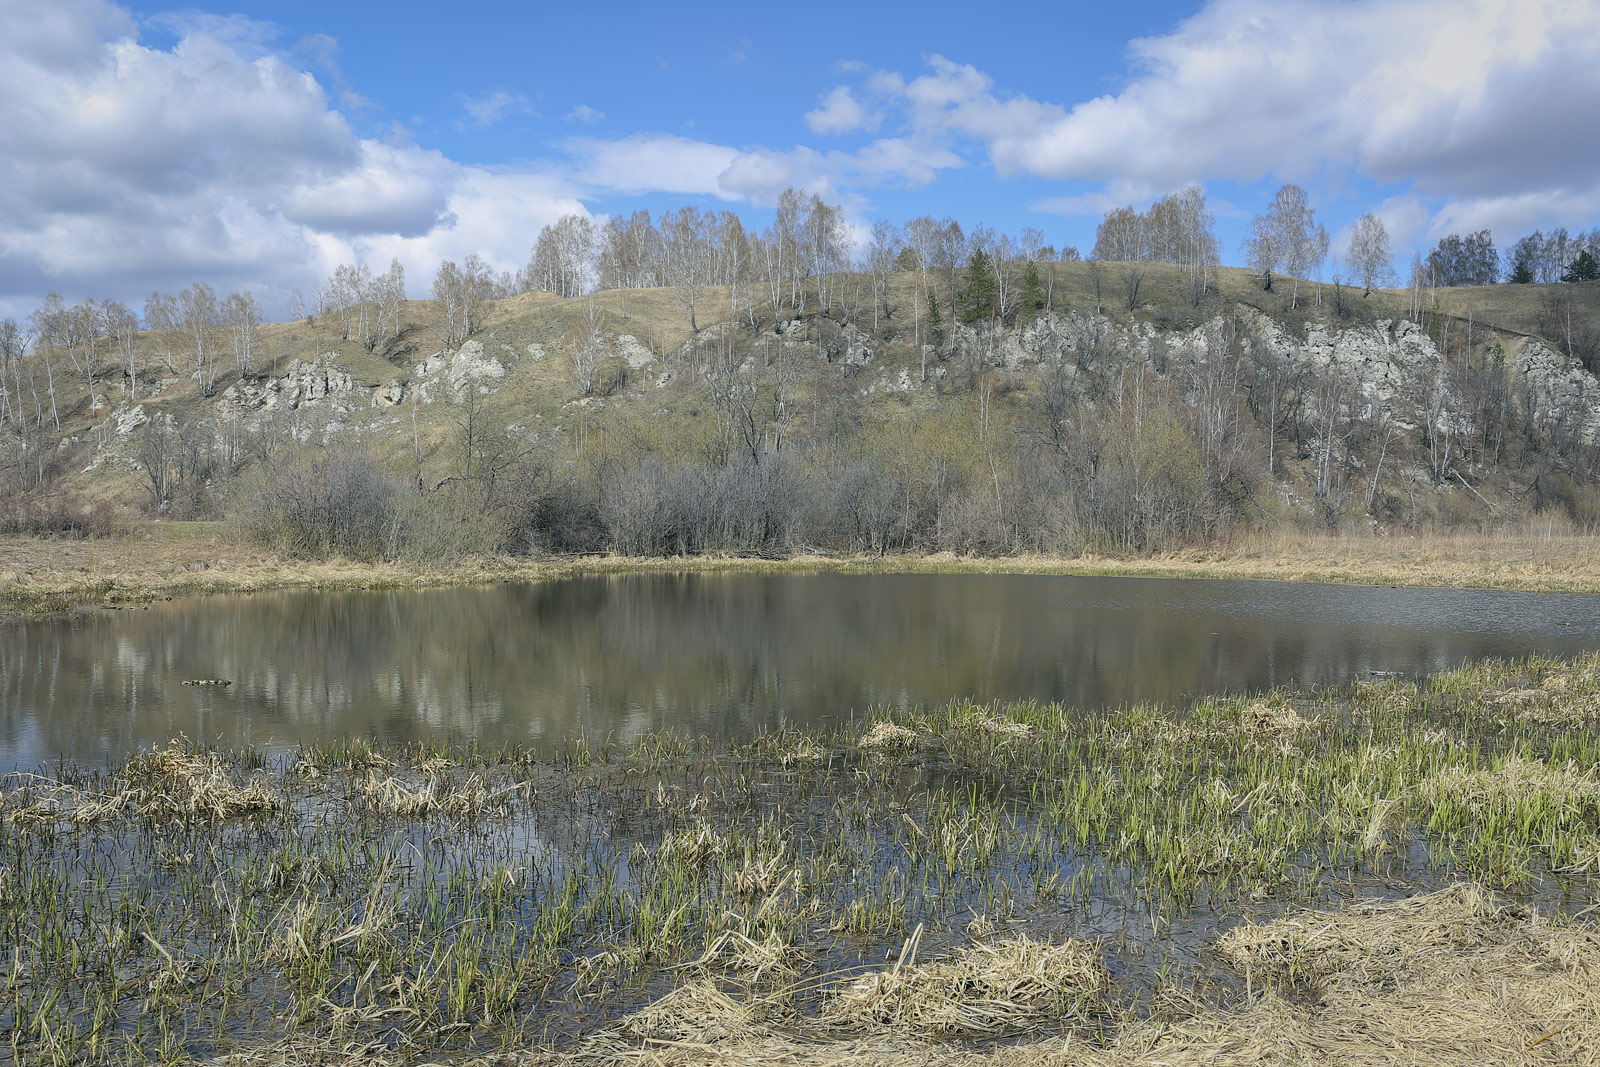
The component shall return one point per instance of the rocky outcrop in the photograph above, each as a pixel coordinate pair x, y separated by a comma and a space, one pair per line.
389, 395
455, 372
833, 341
306, 381
634, 354
1558, 384
127, 420
310, 380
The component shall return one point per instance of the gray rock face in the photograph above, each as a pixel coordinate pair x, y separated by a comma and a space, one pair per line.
634, 354
858, 350
466, 367
388, 396
129, 420
310, 380
1384, 358
1558, 384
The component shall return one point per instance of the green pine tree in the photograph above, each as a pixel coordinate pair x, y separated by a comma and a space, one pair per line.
1521, 274
1032, 289
979, 297
935, 320
1583, 269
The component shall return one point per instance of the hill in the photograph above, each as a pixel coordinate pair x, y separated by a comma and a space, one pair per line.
1116, 405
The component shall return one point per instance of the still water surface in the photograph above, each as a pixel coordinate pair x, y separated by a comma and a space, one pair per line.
717, 655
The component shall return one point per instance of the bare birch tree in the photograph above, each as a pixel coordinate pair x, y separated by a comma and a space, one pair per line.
242, 314
1368, 255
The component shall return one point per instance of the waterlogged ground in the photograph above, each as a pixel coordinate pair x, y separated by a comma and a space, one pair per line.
925, 879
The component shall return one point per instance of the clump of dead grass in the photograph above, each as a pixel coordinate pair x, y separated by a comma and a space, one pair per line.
1274, 720
469, 799
732, 952
181, 781
697, 1013
887, 739
694, 846
1372, 943
1010, 986
1451, 977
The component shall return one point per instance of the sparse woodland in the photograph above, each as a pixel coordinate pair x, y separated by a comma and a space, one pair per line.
683, 385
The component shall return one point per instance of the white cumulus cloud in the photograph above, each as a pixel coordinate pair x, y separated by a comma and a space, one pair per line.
1485, 106
840, 112
126, 167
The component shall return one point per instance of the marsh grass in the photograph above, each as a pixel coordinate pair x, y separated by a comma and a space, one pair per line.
919, 878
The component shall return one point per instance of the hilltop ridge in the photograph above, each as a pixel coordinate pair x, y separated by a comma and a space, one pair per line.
1079, 421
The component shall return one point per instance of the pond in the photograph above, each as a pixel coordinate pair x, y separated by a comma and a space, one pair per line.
721, 656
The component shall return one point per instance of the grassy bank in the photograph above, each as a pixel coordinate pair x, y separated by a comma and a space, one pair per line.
169, 559
1392, 873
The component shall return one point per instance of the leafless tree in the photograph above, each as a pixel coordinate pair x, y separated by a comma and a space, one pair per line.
13, 345
563, 257
922, 238
123, 326
242, 315
161, 319
1368, 255
1285, 238
630, 252
50, 330
200, 318
823, 239
1123, 238
882, 252
390, 296
950, 255
588, 348
462, 294
686, 236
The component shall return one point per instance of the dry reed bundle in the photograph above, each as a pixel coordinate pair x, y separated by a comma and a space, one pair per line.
887, 738
180, 781
1004, 727
1008, 987
695, 1013
1446, 978
694, 846
470, 799
1371, 943
734, 953
759, 875
1274, 720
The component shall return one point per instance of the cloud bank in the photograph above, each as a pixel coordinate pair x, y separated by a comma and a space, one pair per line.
126, 167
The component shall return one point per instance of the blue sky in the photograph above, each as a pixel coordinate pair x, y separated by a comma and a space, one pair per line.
258, 144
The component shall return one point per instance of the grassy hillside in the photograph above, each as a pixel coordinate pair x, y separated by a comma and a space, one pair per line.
653, 396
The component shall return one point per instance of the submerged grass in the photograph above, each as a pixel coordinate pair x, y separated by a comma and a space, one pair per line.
1279, 878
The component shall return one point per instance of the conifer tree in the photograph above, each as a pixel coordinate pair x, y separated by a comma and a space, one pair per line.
979, 298
1032, 290
1583, 269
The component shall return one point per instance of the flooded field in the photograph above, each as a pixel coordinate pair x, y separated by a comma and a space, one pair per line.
720, 656
929, 881
622, 819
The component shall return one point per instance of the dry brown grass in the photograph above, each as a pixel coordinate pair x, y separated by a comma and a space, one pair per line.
1449, 978
984, 990
887, 738
167, 559
469, 799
